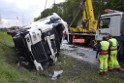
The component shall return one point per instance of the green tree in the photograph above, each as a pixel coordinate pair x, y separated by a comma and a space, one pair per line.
66, 10
72, 9
116, 5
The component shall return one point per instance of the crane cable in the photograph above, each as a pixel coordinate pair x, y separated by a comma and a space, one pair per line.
45, 4
83, 8
54, 5
74, 18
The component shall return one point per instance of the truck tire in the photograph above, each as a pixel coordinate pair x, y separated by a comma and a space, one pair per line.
121, 51
91, 42
70, 39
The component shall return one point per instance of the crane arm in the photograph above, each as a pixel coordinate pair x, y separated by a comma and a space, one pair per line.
89, 9
89, 14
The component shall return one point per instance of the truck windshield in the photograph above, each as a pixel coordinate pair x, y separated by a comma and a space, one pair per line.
104, 23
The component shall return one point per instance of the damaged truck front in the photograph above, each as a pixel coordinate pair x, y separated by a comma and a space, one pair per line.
38, 44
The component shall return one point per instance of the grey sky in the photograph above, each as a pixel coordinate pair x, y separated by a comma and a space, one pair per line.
22, 12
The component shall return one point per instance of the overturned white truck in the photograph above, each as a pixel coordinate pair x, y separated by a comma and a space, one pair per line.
39, 43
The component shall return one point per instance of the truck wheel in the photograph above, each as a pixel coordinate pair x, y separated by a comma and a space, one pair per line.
70, 39
92, 42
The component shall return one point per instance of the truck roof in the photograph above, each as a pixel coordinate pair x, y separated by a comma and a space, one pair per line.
113, 14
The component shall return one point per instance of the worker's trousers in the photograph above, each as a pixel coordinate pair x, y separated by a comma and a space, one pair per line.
103, 63
113, 62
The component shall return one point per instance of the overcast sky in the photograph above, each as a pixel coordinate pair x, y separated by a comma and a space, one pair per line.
22, 12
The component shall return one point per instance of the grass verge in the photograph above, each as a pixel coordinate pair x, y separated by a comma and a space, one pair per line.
73, 71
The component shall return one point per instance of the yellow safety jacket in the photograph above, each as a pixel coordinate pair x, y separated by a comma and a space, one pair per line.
113, 44
104, 46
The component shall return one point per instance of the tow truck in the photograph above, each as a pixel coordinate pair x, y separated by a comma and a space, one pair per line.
79, 34
112, 22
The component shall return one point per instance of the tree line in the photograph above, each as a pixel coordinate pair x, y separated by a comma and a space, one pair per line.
71, 9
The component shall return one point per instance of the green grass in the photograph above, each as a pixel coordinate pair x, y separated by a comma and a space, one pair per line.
73, 70
6, 39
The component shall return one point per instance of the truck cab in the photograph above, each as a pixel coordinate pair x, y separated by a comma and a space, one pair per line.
112, 23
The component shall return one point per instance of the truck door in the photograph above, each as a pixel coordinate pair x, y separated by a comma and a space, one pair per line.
115, 25
109, 25
103, 28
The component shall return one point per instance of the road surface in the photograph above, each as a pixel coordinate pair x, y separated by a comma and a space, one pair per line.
80, 53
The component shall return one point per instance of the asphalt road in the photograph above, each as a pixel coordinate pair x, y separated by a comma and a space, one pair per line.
80, 53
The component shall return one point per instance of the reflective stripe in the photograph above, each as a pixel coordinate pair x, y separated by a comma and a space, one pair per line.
103, 52
104, 48
78, 40
113, 48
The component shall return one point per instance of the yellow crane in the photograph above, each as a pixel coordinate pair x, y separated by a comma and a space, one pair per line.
85, 32
111, 22
90, 15
87, 19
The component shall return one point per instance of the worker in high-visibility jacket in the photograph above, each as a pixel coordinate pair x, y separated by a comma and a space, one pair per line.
103, 56
113, 62
85, 24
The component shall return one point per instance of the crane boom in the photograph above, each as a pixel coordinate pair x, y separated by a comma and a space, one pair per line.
92, 23
85, 32
89, 9
87, 15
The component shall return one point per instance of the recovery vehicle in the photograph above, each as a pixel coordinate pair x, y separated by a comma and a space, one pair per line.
111, 22
80, 34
